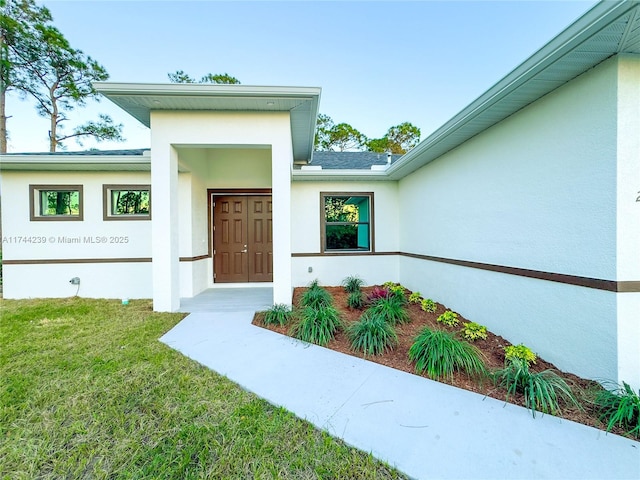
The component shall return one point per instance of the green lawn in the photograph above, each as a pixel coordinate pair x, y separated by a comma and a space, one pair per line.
88, 391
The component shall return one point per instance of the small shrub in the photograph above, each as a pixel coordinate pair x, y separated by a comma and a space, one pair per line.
520, 352
395, 288
391, 308
428, 305
448, 318
542, 391
620, 406
472, 331
317, 325
372, 335
376, 294
440, 354
316, 297
279, 314
415, 297
352, 284
355, 300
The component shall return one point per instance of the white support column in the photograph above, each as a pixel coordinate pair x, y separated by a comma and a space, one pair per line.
281, 161
164, 231
628, 219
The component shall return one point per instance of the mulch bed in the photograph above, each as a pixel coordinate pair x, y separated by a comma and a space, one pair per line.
492, 349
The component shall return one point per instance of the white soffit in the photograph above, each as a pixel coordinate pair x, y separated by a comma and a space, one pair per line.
609, 28
139, 99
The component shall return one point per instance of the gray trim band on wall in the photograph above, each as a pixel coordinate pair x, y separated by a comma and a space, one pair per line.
56, 261
344, 254
52, 261
596, 283
195, 259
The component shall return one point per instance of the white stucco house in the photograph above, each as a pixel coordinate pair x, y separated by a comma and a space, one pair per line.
522, 212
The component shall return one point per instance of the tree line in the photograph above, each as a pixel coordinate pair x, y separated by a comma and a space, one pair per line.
38, 62
330, 136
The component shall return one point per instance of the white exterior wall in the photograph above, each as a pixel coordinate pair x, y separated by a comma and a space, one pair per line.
76, 241
628, 218
172, 132
537, 191
331, 269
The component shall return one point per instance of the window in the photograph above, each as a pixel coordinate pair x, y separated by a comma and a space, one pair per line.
55, 202
126, 202
347, 220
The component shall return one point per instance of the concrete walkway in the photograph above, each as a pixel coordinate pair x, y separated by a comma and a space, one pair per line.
425, 429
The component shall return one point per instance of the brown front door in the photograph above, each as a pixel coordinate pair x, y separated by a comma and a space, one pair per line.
242, 239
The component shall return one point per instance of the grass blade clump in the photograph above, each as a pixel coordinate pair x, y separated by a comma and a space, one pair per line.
620, 406
316, 297
391, 308
355, 300
279, 314
372, 335
352, 284
440, 353
317, 325
543, 391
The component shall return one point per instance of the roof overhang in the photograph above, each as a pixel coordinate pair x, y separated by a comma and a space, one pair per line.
302, 103
70, 162
325, 175
607, 29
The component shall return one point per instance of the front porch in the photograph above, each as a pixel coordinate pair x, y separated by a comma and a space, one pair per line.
229, 300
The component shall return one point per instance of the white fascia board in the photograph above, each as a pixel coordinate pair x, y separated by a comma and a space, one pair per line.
586, 26
71, 162
200, 89
339, 175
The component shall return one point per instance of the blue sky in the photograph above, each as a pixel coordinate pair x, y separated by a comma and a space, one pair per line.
378, 63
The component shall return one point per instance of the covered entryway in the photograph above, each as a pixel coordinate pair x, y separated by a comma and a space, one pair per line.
220, 137
242, 238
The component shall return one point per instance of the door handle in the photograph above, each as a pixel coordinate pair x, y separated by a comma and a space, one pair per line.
243, 251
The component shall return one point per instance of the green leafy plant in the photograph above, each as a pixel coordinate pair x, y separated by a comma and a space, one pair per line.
279, 314
428, 305
391, 309
352, 283
448, 318
472, 331
415, 297
317, 325
543, 391
372, 334
395, 289
355, 300
521, 352
619, 406
316, 297
440, 353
